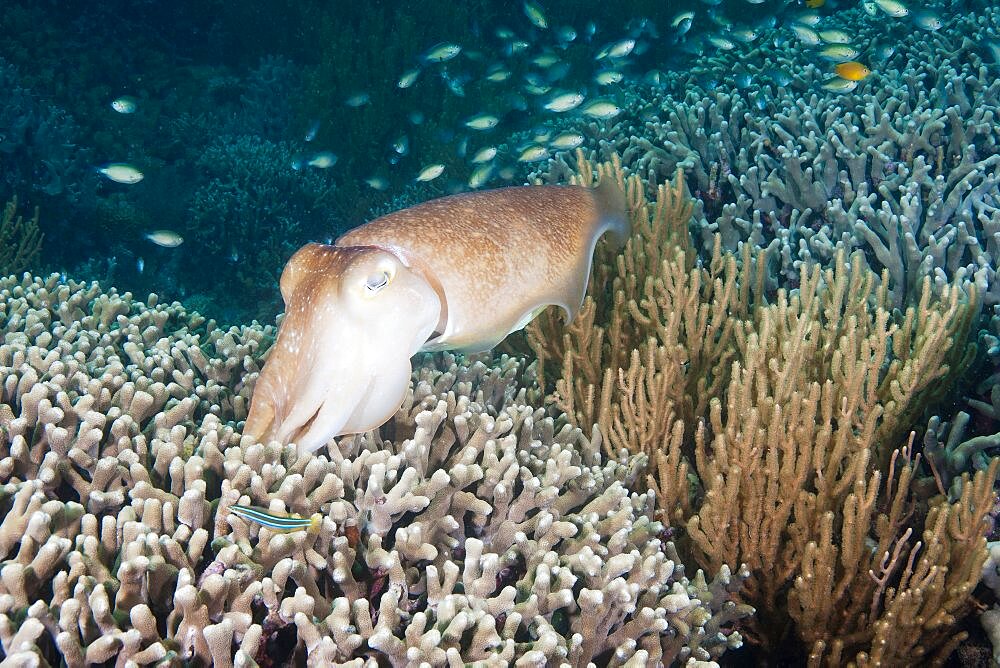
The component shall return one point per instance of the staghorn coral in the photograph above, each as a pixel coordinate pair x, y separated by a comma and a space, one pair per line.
472, 528
903, 169
951, 451
774, 433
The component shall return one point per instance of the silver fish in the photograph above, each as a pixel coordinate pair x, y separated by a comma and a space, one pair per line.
566, 141
430, 172
565, 101
323, 160
165, 238
535, 14
121, 172
482, 122
602, 109
441, 52
409, 78
126, 104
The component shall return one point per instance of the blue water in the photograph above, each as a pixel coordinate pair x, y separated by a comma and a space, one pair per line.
226, 95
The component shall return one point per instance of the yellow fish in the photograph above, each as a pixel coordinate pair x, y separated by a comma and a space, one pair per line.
815, 4
852, 71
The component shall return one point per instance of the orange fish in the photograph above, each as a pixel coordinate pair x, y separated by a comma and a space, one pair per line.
852, 71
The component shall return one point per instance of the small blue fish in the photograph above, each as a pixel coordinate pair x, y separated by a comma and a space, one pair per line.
778, 76
359, 99
280, 522
566, 34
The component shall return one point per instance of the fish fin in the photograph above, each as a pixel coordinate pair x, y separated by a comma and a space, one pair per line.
250, 510
291, 529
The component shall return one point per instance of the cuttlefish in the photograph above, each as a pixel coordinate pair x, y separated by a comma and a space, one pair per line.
455, 273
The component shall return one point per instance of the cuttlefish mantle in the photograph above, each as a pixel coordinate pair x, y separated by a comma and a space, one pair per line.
456, 273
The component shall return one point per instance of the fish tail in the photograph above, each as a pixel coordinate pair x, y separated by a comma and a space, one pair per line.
612, 210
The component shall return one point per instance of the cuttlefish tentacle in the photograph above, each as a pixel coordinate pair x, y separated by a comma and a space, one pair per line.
352, 316
458, 273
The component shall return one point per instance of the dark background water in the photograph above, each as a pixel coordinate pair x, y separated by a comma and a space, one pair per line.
225, 95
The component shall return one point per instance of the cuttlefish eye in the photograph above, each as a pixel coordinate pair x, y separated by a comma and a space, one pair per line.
377, 281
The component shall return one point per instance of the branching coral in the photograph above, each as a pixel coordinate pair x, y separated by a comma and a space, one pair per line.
903, 169
773, 432
254, 210
651, 301
471, 529
40, 156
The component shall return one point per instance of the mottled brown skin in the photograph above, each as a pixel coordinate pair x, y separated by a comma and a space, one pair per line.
500, 254
459, 272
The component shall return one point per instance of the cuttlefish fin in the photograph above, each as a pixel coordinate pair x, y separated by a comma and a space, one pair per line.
611, 218
612, 212
528, 317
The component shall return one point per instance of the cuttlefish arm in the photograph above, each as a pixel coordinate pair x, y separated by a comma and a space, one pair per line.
341, 362
459, 272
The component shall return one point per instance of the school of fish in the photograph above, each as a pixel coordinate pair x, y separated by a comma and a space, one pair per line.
531, 72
